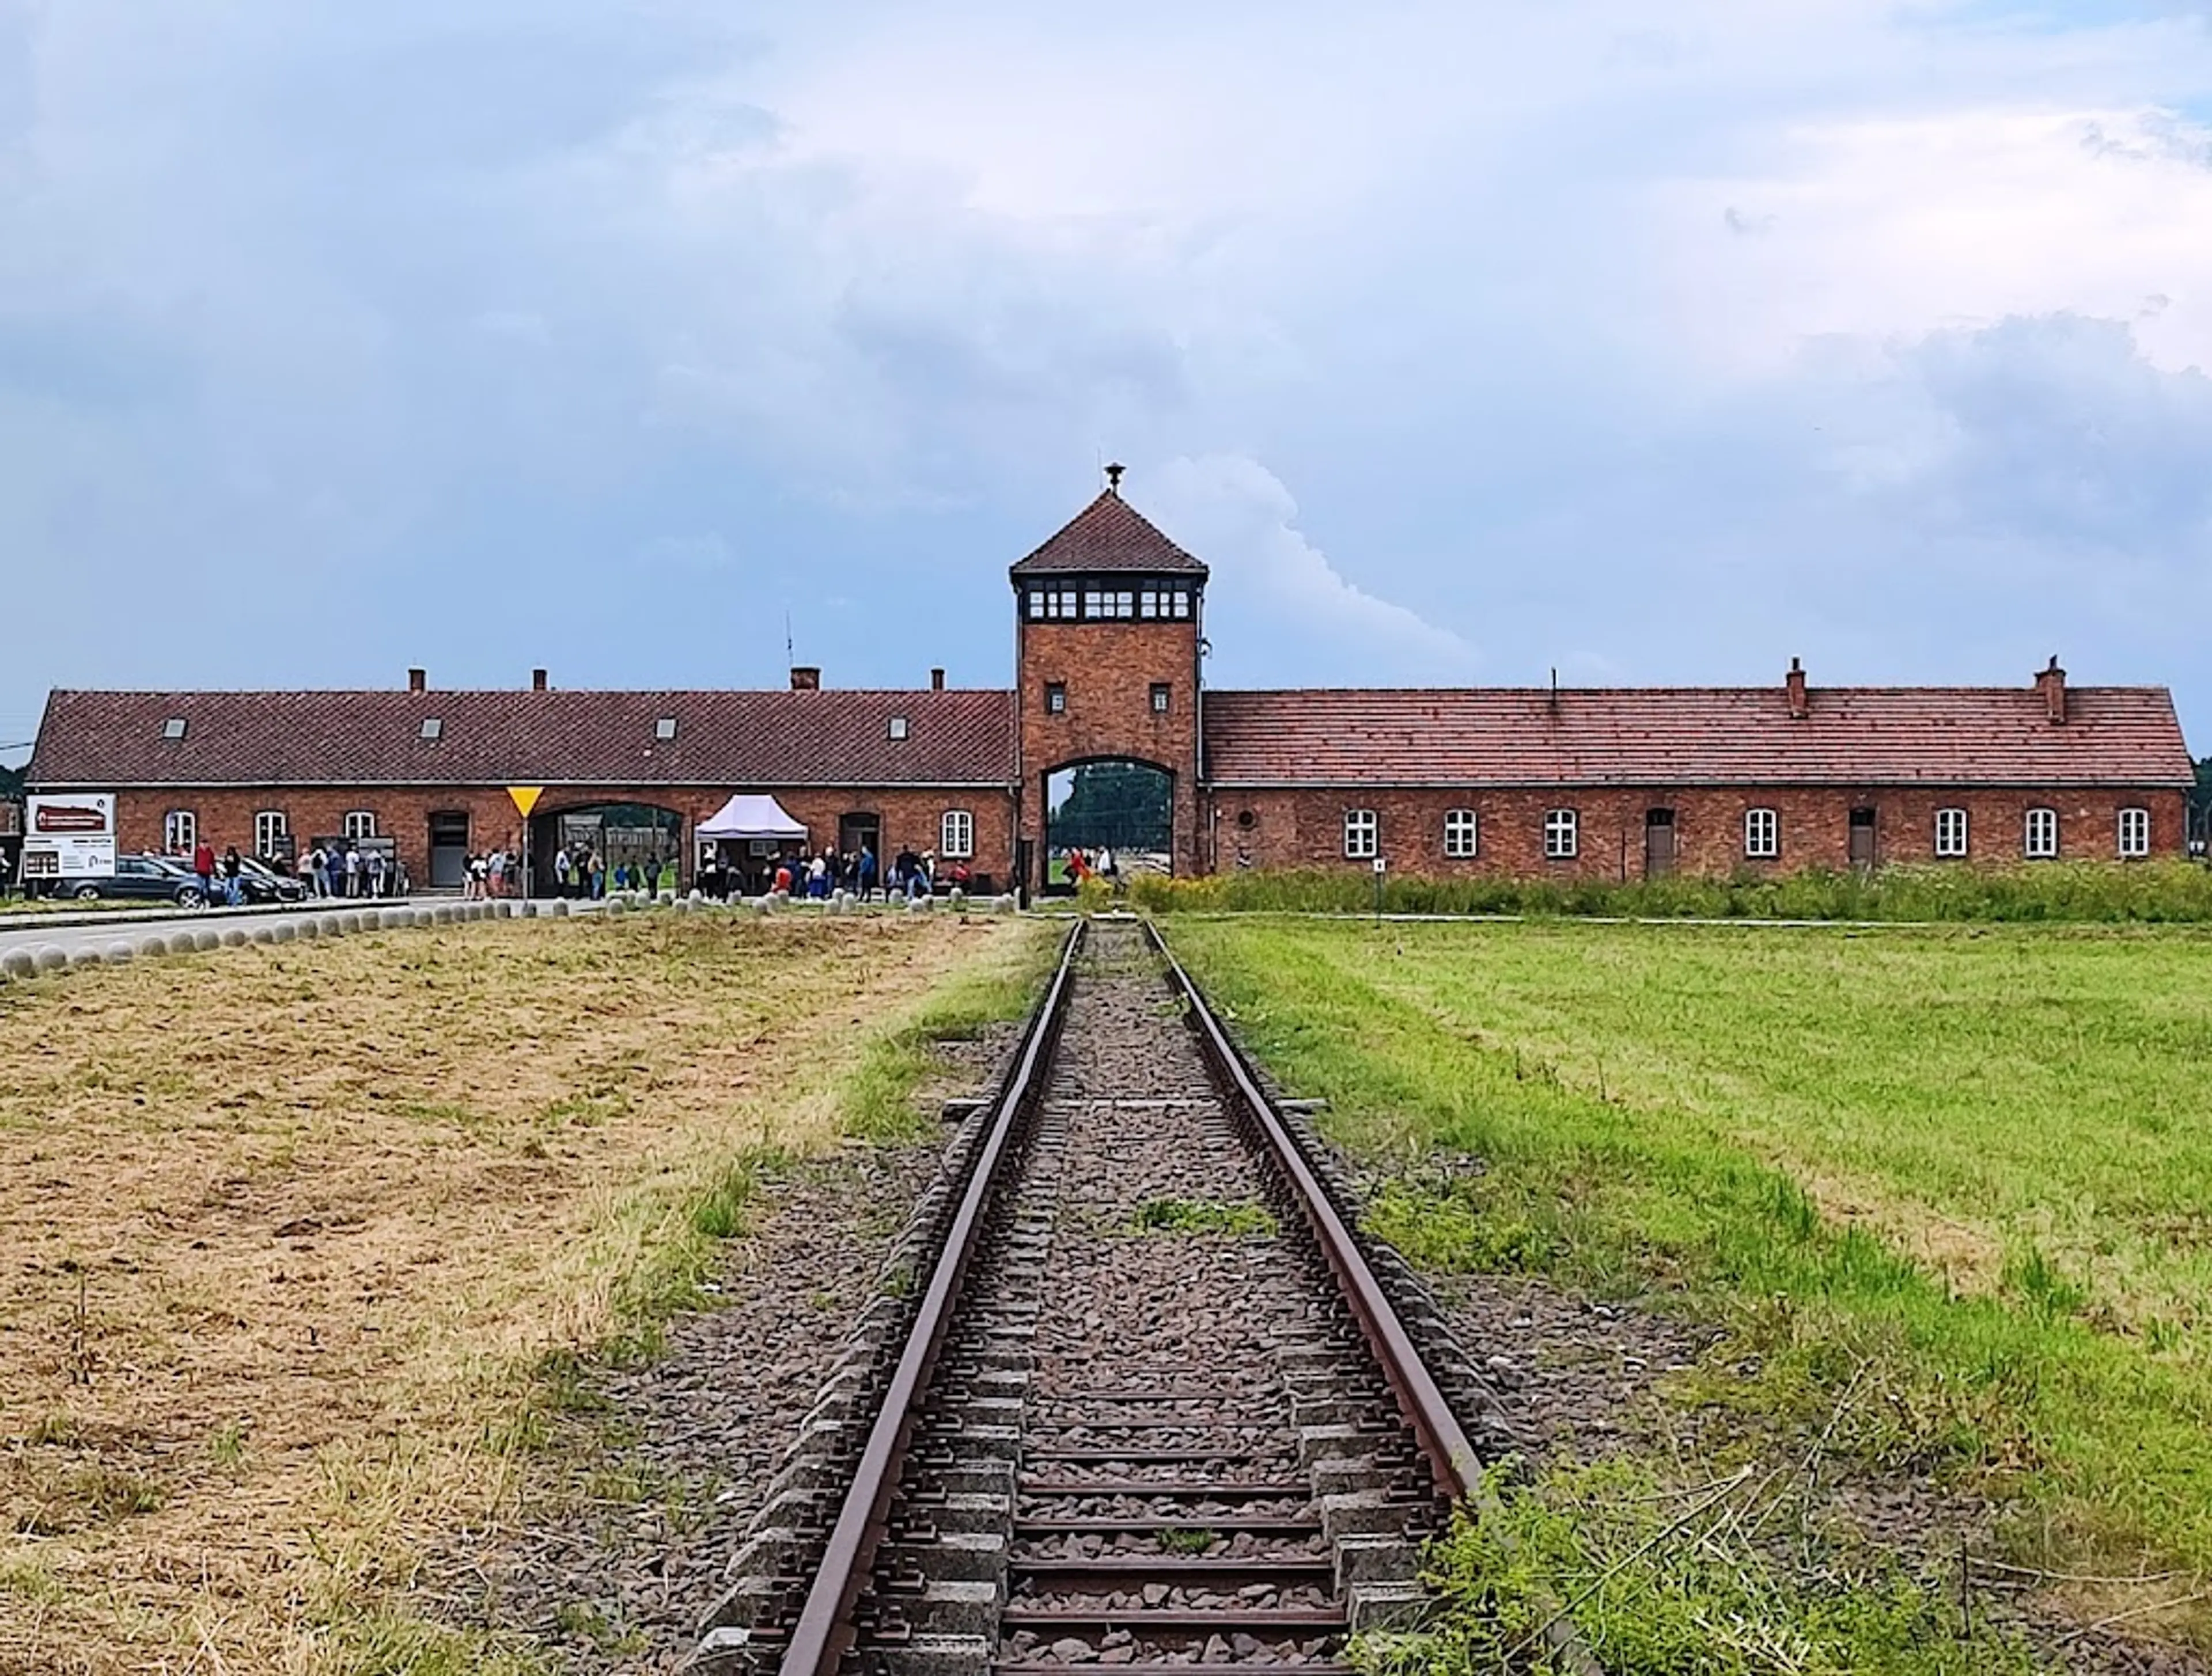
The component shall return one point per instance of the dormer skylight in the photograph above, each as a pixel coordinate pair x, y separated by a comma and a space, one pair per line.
173, 728
665, 728
433, 727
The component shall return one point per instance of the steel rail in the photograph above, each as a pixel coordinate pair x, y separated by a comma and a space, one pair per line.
1452, 1459
823, 1633
1444, 1442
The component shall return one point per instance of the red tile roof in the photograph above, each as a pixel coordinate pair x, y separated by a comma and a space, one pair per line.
498, 739
1110, 534
2122, 735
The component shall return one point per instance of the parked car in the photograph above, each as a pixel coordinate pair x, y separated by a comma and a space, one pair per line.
139, 879
262, 883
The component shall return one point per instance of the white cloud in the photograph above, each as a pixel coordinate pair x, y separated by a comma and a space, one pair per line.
1901, 224
1238, 516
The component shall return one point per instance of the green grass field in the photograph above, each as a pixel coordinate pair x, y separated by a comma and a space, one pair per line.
1968, 1170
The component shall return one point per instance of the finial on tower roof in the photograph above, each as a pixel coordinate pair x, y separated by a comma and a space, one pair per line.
1113, 478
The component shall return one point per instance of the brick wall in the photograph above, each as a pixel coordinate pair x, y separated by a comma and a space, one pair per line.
1305, 827
1108, 669
910, 816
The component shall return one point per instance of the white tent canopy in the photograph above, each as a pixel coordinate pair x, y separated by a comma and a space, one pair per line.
750, 814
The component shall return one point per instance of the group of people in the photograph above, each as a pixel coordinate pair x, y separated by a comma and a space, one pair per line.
339, 870
823, 874
222, 880
1081, 866
582, 872
488, 873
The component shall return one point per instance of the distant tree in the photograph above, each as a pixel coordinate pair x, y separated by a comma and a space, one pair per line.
2200, 800
11, 781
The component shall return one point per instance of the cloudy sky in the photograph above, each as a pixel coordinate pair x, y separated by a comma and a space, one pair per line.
1465, 341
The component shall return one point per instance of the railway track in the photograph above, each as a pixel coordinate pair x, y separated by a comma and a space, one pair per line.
1132, 1394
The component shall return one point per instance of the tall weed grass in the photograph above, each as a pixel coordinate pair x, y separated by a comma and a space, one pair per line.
2149, 892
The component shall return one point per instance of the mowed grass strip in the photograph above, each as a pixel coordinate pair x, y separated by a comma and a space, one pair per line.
289, 1238
1950, 1188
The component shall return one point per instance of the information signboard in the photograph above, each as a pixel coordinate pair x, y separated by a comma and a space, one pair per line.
69, 837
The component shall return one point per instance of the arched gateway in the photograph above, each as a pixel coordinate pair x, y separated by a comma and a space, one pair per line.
1116, 805
1108, 694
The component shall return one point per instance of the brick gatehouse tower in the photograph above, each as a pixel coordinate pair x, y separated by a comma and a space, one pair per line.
1107, 692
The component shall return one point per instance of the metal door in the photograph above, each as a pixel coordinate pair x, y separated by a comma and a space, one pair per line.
449, 849
861, 830
1861, 837
1658, 842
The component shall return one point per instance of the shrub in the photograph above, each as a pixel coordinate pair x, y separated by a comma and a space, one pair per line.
2172, 892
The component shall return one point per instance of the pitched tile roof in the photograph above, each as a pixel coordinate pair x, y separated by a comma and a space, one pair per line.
1110, 534
723, 739
2123, 735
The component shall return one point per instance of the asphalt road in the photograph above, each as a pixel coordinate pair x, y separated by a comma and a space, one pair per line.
128, 927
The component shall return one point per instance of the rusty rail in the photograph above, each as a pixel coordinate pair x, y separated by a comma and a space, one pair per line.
1452, 1459
825, 1632
1443, 1442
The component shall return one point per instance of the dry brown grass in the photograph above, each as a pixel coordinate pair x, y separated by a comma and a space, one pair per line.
282, 1231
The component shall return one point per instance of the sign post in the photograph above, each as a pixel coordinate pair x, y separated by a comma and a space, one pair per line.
1378, 887
526, 799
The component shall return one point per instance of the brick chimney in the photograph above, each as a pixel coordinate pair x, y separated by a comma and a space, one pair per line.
937, 680
2051, 682
805, 678
418, 680
538, 680
1799, 706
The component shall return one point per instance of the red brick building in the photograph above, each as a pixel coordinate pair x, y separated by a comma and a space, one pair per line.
1109, 735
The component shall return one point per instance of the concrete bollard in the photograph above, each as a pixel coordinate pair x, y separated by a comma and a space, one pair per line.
332, 924
182, 941
560, 908
233, 939
283, 932
85, 957
152, 948
120, 953
204, 940
262, 934
19, 963
306, 927
51, 958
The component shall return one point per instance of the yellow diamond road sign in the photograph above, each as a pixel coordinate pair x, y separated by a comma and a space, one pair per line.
525, 797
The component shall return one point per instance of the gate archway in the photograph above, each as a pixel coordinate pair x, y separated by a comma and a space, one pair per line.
1118, 805
629, 834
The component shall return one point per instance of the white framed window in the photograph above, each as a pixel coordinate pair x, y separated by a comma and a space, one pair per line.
1361, 835
433, 727
1037, 604
1094, 603
1762, 833
270, 827
1162, 697
1148, 604
956, 836
2040, 838
1562, 829
1055, 698
173, 728
181, 831
897, 728
665, 728
1459, 834
2134, 834
1950, 834
1181, 598
360, 824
